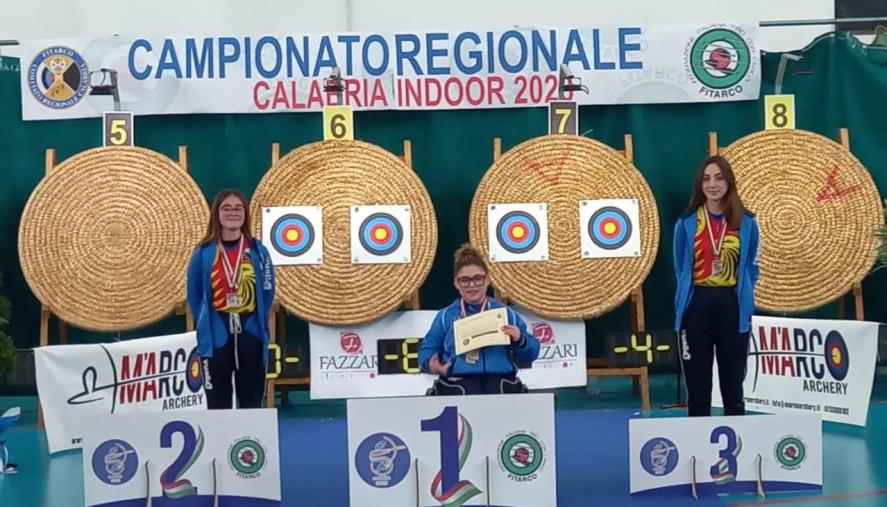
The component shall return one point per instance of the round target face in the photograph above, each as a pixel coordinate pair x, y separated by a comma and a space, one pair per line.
517, 232
837, 357
380, 234
194, 375
292, 235
609, 228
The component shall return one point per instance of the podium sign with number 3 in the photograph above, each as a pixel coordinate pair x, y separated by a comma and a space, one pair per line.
117, 129
779, 112
338, 123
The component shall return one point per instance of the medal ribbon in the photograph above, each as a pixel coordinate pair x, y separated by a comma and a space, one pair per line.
233, 274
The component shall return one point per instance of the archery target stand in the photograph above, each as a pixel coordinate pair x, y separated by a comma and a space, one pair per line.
597, 367
46, 312
856, 286
277, 326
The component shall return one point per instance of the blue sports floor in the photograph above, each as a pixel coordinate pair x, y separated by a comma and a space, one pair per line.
592, 461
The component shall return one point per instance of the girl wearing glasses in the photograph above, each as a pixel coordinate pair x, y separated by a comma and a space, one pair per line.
230, 292
489, 370
715, 258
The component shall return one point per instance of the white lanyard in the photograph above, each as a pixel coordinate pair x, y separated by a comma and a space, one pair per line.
715, 246
486, 303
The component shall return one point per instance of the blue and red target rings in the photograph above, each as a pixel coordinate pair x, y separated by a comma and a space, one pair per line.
562, 171
336, 175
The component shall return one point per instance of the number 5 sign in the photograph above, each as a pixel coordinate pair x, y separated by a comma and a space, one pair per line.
189, 457
468, 450
117, 129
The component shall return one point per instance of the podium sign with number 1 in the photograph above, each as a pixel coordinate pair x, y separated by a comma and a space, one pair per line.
779, 112
338, 123
117, 128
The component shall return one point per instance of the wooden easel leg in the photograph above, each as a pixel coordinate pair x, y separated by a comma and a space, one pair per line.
638, 319
638, 325
281, 326
189, 319
408, 153
857, 296
44, 326
183, 159
271, 385
842, 310
645, 389
411, 302
270, 395
44, 341
63, 332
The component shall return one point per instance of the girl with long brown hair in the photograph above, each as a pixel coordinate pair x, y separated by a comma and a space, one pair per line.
230, 292
716, 244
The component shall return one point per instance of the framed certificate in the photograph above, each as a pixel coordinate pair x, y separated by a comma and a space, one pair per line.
481, 330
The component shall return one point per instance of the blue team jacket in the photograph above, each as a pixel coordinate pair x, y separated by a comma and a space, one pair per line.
212, 327
746, 276
492, 360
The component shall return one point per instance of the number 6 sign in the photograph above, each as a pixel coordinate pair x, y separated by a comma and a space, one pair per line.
338, 123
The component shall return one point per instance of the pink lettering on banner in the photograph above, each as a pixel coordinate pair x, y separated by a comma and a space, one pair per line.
421, 92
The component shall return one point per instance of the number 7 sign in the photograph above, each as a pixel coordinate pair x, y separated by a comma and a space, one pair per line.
563, 118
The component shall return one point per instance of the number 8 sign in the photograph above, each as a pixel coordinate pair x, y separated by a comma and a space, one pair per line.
779, 112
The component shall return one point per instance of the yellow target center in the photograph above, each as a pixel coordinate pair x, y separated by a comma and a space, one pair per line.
837, 358
380, 234
195, 369
609, 228
292, 235
518, 232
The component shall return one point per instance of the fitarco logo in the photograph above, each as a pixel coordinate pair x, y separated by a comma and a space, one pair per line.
790, 452
719, 58
521, 455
